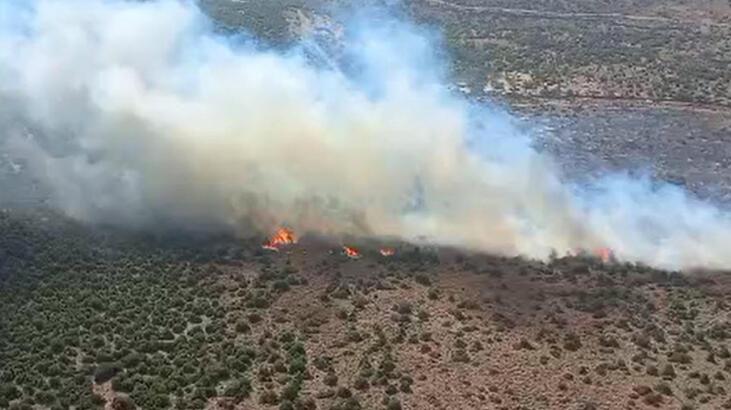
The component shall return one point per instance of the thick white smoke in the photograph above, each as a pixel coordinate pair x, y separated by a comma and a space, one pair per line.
141, 115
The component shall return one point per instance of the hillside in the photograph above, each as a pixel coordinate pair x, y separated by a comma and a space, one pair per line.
115, 317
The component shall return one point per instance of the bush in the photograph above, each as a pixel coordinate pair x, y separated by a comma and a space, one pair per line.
331, 379
524, 344
132, 360
460, 355
105, 372
422, 279
292, 389
281, 286
393, 404
572, 342
286, 405
268, 397
344, 392
97, 399
668, 371
433, 294
254, 318
403, 308
361, 383
9, 392
45, 397
123, 403
664, 388
680, 357
297, 365
242, 327
653, 399
239, 389
350, 403
160, 401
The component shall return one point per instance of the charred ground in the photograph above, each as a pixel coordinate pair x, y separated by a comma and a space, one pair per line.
102, 318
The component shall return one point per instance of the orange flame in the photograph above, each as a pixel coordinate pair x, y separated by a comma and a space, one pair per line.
387, 252
351, 252
606, 255
284, 236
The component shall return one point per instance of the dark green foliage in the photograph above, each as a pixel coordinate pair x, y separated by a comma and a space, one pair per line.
242, 327
331, 379
114, 302
572, 342
680, 357
350, 403
105, 371
268, 397
239, 389
344, 392
9, 392
292, 389
393, 404
45, 397
361, 383
286, 405
123, 403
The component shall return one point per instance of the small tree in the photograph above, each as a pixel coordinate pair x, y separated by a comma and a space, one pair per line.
105, 372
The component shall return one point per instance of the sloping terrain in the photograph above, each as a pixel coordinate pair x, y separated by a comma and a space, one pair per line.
632, 50
646, 50
687, 147
98, 318
107, 318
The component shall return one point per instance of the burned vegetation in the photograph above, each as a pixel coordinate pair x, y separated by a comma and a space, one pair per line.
93, 318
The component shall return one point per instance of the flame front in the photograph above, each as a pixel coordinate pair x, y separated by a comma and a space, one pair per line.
605, 254
387, 252
282, 237
351, 252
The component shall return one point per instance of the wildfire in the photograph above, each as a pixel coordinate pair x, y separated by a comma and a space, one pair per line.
351, 252
284, 236
387, 252
605, 254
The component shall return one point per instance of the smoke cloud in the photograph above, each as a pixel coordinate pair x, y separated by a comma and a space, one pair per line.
138, 114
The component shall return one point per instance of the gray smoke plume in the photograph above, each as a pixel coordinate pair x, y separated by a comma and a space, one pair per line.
137, 113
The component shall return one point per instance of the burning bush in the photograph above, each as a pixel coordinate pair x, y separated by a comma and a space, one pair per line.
281, 238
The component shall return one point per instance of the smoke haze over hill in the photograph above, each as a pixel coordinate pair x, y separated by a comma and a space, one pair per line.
139, 114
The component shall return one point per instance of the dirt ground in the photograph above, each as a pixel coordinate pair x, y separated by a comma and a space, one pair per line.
482, 332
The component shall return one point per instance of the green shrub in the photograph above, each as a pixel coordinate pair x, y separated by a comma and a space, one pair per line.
9, 392
97, 399
105, 372
572, 342
393, 404
239, 389
45, 397
123, 403
131, 360
268, 397
331, 379
344, 392
297, 365
291, 390
242, 327
680, 357
361, 383
286, 405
